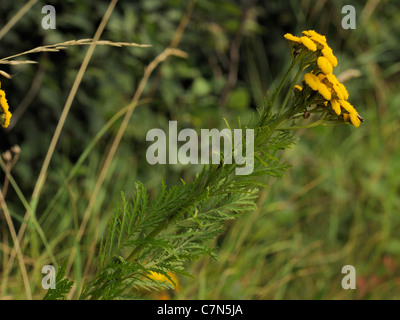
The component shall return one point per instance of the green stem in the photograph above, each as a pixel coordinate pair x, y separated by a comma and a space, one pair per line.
314, 124
276, 94
289, 92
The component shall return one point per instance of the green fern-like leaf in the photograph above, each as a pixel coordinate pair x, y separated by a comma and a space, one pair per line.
62, 287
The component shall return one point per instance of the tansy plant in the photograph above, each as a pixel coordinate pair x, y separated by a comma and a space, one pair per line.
322, 93
149, 239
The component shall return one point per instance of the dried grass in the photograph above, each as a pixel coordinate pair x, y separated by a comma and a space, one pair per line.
64, 45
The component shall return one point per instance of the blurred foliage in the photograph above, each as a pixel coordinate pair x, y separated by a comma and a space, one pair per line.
338, 205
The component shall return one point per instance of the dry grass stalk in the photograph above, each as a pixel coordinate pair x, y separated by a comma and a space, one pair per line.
64, 45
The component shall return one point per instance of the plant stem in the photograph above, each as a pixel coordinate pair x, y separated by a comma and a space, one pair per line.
284, 80
288, 94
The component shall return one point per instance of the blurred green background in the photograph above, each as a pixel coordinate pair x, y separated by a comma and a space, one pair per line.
338, 205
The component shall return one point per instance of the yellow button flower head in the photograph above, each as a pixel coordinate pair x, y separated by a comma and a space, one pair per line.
319, 42
308, 44
338, 92
158, 277
334, 83
347, 106
297, 88
354, 119
307, 33
324, 91
318, 39
328, 53
313, 33
312, 81
5, 116
343, 90
332, 79
336, 106
291, 38
324, 64
346, 117
3, 101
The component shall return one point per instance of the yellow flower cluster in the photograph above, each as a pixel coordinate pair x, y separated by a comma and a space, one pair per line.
321, 79
5, 116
